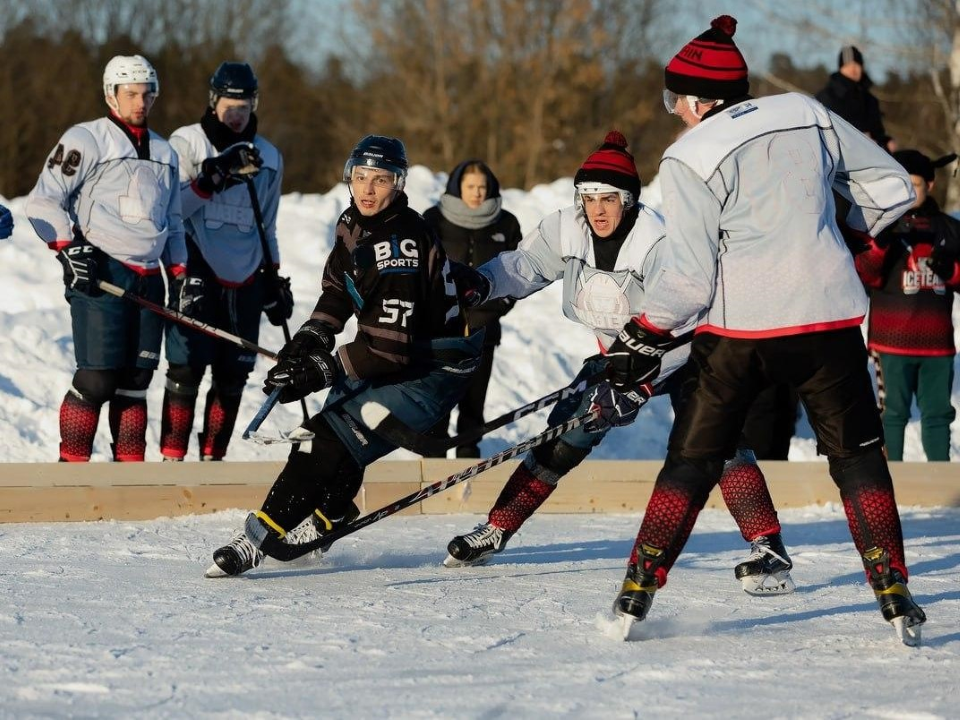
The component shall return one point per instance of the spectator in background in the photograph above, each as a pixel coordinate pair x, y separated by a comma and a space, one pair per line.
912, 270
847, 93
474, 228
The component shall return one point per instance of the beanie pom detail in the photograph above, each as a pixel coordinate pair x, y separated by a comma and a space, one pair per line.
725, 24
615, 138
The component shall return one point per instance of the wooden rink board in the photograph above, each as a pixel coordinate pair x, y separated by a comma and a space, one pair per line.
49, 492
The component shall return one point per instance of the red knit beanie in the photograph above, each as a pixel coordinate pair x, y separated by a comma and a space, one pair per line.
611, 164
710, 66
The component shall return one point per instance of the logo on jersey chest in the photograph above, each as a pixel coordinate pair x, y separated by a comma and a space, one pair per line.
396, 255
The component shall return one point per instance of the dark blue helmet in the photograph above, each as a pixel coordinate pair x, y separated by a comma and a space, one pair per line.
233, 80
379, 151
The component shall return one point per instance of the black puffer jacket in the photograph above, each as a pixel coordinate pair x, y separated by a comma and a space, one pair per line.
474, 247
854, 102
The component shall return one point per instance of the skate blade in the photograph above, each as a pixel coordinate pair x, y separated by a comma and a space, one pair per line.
626, 624
776, 584
452, 562
907, 632
214, 571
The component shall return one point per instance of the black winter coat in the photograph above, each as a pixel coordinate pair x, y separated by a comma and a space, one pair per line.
854, 102
474, 248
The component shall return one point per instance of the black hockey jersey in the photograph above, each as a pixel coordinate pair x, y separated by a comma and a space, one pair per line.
391, 272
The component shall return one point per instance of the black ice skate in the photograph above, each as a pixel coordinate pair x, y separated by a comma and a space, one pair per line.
639, 586
896, 604
317, 526
238, 556
767, 570
477, 547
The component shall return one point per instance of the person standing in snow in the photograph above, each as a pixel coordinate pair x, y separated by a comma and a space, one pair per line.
225, 255
474, 227
108, 203
847, 93
409, 359
912, 271
604, 247
754, 255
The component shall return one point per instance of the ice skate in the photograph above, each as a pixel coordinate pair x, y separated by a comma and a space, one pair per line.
317, 526
639, 586
234, 558
477, 547
896, 604
767, 570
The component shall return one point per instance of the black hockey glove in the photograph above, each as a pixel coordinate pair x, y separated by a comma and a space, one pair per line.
186, 295
942, 263
79, 260
313, 335
634, 357
235, 163
303, 375
616, 408
473, 288
278, 302
6, 223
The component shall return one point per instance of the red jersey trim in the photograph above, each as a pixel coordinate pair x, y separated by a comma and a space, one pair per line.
780, 332
923, 352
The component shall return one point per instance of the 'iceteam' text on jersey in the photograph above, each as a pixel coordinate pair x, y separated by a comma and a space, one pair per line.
127, 205
223, 226
753, 276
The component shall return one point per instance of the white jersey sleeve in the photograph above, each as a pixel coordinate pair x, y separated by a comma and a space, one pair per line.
535, 263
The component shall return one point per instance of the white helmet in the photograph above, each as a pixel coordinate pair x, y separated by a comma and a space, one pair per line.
128, 70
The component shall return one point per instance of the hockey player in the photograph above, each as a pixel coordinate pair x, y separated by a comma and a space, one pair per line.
108, 203
409, 358
603, 248
752, 249
225, 254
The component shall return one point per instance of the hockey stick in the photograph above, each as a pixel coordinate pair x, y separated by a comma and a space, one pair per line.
401, 434
262, 413
184, 319
269, 268
280, 550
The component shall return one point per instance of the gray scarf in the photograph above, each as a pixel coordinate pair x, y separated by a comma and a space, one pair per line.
459, 213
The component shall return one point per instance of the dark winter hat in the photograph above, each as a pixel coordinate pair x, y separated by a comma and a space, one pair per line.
456, 178
849, 54
611, 164
916, 163
710, 66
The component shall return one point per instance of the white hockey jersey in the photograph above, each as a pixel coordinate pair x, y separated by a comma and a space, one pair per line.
223, 226
604, 301
129, 207
752, 240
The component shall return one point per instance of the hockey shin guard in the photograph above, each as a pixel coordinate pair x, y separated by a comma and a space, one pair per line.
678, 497
128, 425
219, 418
746, 496
78, 426
176, 422
866, 489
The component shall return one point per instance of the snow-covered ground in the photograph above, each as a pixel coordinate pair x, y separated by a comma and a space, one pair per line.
541, 349
116, 620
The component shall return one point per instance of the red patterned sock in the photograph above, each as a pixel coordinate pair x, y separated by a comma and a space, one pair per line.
176, 423
668, 521
78, 426
519, 499
874, 521
745, 493
219, 418
128, 425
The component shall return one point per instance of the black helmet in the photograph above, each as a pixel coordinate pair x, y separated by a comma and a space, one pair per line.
382, 152
233, 80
